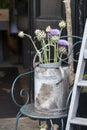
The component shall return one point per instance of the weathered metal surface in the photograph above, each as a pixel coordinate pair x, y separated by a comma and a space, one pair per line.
30, 111
49, 95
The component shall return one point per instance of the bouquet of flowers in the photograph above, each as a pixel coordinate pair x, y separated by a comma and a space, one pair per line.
52, 46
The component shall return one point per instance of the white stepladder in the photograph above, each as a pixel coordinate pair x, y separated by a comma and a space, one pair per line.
79, 83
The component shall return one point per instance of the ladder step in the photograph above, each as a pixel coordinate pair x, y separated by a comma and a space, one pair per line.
82, 83
85, 54
79, 121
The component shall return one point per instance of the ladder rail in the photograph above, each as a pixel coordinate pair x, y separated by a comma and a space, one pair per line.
79, 74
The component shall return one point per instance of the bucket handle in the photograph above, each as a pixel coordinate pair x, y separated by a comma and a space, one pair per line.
62, 74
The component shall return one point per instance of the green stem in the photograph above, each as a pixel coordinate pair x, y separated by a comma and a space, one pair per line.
40, 57
48, 49
55, 52
60, 33
49, 53
39, 54
32, 42
45, 51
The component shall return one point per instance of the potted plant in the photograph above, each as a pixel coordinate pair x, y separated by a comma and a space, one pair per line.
4, 10
51, 81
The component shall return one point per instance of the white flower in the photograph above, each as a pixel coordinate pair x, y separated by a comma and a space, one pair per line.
62, 24
54, 39
37, 31
48, 29
21, 34
43, 34
40, 34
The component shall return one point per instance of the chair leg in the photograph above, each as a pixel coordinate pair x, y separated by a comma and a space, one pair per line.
17, 119
62, 124
51, 122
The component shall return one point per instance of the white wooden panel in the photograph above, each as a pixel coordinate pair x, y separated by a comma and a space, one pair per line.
79, 121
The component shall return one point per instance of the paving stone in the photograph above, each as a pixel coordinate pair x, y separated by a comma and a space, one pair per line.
24, 124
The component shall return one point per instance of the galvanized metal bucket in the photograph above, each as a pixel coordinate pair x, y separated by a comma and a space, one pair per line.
51, 88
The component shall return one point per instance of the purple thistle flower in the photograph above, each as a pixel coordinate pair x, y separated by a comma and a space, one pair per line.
54, 32
63, 42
